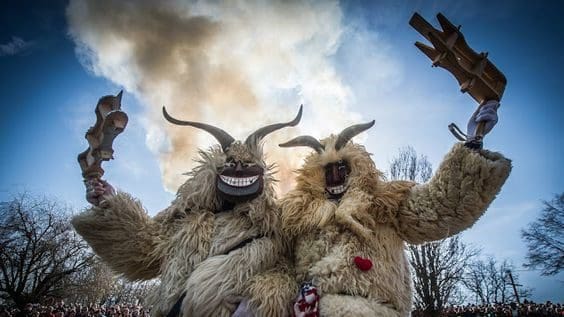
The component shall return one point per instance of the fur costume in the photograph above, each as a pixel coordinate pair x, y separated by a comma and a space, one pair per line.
214, 255
352, 248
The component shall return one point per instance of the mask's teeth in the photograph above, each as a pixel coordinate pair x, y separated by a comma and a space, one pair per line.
336, 190
238, 181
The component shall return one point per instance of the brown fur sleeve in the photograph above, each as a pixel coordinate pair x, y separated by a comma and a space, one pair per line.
303, 212
458, 194
123, 235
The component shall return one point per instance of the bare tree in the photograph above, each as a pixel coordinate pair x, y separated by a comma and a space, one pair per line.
489, 282
39, 251
407, 166
99, 284
132, 292
94, 284
545, 238
438, 272
438, 267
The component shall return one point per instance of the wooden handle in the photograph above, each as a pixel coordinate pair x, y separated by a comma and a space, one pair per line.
110, 122
94, 171
480, 130
90, 166
479, 133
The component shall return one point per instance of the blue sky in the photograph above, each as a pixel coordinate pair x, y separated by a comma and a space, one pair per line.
49, 93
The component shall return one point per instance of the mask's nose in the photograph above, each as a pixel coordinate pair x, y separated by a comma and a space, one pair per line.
335, 173
332, 174
238, 168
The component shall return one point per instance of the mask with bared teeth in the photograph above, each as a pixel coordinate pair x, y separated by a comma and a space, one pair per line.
337, 169
241, 178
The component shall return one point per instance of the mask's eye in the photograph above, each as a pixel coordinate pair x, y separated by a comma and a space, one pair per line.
343, 168
248, 164
230, 163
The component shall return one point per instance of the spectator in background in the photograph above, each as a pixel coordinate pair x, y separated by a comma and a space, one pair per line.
4, 312
71, 312
527, 309
27, 311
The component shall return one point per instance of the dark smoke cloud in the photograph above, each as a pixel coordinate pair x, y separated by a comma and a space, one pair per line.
236, 65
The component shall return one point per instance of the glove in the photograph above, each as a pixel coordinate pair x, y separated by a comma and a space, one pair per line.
243, 310
98, 190
486, 113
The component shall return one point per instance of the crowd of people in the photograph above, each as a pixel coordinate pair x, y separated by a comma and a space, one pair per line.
527, 308
128, 310
76, 310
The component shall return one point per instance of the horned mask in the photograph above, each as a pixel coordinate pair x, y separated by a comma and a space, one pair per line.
241, 178
338, 168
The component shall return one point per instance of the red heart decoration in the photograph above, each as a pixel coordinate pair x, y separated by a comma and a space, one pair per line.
362, 263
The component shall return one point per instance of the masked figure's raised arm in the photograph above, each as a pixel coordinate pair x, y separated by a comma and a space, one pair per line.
466, 182
123, 235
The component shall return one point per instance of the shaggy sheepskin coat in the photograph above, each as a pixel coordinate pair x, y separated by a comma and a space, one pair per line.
374, 219
190, 245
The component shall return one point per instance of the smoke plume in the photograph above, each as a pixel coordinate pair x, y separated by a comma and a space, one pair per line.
238, 65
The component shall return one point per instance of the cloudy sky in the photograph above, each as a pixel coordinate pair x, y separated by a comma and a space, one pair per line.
242, 65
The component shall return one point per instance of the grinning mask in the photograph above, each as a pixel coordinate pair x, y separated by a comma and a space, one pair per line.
336, 175
338, 170
241, 178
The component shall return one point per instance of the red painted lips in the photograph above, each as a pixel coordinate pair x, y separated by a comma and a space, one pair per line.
362, 263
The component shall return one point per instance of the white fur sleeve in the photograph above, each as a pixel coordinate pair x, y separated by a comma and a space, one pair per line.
463, 187
123, 235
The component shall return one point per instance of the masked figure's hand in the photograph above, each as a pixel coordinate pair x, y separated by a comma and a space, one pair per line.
98, 190
486, 113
